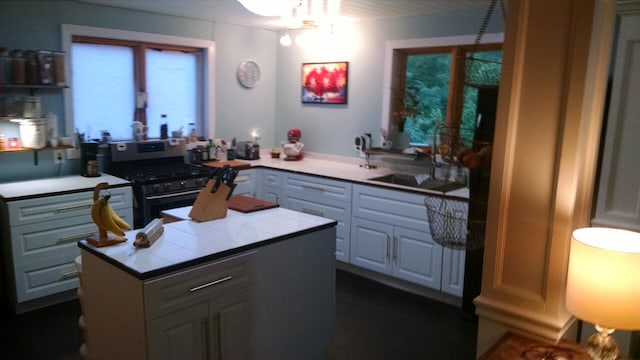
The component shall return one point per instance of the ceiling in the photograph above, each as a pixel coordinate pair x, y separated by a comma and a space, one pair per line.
232, 12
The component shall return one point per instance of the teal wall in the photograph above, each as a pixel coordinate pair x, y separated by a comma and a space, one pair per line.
272, 107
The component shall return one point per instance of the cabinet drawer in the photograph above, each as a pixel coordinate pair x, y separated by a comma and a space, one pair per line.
174, 292
271, 178
245, 183
63, 206
317, 186
46, 276
329, 209
391, 207
33, 242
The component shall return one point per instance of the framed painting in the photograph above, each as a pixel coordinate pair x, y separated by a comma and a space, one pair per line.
325, 83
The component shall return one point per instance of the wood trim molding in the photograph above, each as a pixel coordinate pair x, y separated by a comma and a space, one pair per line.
544, 161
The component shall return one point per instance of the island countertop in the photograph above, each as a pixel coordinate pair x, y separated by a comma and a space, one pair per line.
187, 243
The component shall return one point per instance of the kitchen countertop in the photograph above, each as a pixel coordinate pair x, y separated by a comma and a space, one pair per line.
186, 243
53, 186
348, 169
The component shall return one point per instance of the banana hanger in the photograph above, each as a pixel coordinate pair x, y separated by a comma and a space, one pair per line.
103, 238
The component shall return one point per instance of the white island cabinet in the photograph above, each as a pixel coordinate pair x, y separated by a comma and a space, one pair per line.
42, 220
248, 286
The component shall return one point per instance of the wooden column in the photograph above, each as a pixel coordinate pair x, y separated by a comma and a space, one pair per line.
556, 55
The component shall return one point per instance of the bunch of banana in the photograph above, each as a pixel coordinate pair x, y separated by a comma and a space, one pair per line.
103, 215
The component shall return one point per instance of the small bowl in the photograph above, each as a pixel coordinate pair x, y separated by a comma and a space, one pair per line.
275, 154
66, 140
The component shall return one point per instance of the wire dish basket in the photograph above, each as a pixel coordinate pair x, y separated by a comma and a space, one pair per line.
449, 225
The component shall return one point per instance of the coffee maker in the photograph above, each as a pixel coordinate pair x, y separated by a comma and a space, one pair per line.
89, 159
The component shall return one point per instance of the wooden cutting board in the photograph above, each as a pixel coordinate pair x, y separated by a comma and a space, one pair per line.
247, 204
236, 164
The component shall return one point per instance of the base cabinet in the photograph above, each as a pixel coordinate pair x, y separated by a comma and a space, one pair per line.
216, 329
39, 237
390, 234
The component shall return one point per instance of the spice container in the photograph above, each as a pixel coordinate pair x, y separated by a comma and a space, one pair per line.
3, 142
17, 67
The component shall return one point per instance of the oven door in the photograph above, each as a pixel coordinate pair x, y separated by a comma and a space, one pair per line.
153, 204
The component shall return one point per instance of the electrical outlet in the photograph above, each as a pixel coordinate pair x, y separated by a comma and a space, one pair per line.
58, 156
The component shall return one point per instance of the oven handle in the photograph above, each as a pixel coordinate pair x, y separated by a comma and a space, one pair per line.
171, 195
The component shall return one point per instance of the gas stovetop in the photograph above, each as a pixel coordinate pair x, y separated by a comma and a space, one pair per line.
158, 170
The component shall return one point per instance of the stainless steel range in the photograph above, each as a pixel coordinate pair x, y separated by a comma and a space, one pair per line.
160, 178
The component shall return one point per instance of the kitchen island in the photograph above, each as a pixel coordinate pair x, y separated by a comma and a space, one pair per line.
247, 286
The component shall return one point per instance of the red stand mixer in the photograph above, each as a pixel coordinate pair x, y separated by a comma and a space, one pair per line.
293, 149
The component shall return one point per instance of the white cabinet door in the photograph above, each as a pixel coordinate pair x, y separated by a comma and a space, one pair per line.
417, 258
618, 199
452, 271
371, 245
229, 316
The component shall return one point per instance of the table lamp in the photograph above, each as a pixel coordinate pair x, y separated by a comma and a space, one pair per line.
603, 284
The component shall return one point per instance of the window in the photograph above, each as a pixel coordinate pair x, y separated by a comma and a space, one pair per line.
428, 96
119, 77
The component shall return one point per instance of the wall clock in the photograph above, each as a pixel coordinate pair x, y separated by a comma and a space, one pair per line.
248, 73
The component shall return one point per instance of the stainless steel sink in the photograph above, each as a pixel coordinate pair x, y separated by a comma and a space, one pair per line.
419, 181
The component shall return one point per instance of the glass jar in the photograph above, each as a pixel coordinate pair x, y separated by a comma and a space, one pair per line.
58, 59
31, 67
45, 69
18, 75
5, 66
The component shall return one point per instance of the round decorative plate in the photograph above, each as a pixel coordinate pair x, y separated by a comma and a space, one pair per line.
248, 73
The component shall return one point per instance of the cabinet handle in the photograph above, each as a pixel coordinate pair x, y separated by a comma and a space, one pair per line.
74, 238
205, 331
395, 248
388, 247
313, 212
215, 282
69, 274
309, 187
74, 207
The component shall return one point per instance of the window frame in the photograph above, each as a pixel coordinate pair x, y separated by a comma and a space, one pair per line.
127, 38
396, 52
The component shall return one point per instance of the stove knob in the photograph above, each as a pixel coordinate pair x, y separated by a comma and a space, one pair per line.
183, 183
167, 186
156, 187
199, 182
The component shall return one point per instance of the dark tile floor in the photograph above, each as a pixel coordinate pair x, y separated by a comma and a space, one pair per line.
373, 322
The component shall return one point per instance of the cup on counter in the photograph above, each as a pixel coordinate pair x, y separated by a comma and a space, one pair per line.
54, 142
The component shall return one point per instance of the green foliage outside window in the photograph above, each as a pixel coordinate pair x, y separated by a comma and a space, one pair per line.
427, 94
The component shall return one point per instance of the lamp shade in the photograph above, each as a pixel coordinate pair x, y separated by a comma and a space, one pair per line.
603, 280
269, 7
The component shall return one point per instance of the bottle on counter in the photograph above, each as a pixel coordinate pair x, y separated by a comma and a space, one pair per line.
211, 150
164, 127
193, 136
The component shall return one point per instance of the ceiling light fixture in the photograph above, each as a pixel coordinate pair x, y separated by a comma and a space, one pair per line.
269, 7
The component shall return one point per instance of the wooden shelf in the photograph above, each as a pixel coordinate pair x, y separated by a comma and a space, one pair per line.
46, 148
33, 86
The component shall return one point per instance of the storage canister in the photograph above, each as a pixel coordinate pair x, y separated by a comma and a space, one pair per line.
5, 66
31, 67
3, 142
31, 107
58, 59
33, 133
45, 63
17, 67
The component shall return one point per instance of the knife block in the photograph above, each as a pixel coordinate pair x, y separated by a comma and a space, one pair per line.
211, 205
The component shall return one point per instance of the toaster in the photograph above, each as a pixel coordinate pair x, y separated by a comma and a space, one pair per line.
247, 150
